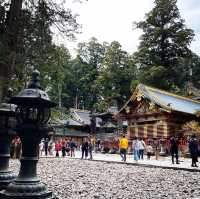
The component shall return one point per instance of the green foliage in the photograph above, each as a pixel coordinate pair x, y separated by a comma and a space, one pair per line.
90, 58
155, 76
102, 74
57, 114
165, 42
33, 37
115, 79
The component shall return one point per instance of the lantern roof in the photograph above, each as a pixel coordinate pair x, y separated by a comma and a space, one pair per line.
33, 96
6, 108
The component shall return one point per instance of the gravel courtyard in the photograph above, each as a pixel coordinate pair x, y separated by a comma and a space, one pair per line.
74, 179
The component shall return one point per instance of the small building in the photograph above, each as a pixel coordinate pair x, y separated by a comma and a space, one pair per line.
76, 127
109, 129
157, 114
70, 129
82, 123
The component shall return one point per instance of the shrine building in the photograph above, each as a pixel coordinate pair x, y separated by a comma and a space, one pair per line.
156, 114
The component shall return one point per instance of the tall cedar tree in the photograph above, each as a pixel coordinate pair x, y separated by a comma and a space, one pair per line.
90, 56
10, 15
114, 81
13, 16
164, 42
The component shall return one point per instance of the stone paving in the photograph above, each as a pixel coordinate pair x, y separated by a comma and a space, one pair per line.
163, 162
75, 178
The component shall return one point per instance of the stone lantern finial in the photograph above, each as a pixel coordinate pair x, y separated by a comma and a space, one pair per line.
35, 80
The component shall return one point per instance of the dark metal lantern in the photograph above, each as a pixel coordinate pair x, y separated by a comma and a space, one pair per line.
33, 113
33, 104
7, 115
7, 122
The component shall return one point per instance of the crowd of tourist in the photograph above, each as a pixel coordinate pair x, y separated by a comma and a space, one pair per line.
62, 147
67, 147
139, 147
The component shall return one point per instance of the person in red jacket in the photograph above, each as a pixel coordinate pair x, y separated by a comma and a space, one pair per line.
57, 148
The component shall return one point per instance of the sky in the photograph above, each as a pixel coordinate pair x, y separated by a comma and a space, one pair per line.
109, 20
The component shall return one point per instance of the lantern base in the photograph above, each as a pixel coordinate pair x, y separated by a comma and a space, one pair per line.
26, 190
6, 177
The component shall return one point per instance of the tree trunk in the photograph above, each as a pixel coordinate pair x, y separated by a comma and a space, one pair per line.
12, 35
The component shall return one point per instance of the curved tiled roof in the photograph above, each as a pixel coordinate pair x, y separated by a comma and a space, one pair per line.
166, 100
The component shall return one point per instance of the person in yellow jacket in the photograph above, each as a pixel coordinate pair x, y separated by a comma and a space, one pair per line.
123, 146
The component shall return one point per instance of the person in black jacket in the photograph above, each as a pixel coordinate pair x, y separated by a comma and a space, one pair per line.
174, 149
84, 148
193, 148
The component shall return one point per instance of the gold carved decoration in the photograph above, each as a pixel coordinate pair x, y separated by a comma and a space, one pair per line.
127, 109
139, 96
142, 107
152, 106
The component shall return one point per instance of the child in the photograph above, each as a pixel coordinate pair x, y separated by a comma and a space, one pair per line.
149, 150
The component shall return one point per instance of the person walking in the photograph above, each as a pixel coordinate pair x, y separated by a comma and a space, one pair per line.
84, 148
41, 147
141, 148
63, 148
193, 148
50, 147
174, 144
72, 147
135, 147
67, 147
149, 150
57, 148
123, 146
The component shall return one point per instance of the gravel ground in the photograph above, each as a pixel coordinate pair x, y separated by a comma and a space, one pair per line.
74, 179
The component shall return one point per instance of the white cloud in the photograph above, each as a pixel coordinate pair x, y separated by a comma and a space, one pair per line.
109, 20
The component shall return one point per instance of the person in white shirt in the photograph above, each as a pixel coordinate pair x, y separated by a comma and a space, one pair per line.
141, 148
135, 147
41, 148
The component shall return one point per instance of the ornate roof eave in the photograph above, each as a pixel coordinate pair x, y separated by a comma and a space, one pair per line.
133, 96
136, 115
185, 114
140, 92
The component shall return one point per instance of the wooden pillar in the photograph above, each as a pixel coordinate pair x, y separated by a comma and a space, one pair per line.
165, 131
145, 131
155, 131
136, 131
129, 133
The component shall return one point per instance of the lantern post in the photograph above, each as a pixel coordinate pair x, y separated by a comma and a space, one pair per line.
32, 113
7, 122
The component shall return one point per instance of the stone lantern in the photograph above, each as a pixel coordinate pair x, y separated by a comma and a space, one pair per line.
7, 122
32, 113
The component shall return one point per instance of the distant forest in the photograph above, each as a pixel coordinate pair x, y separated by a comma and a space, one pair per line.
102, 74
